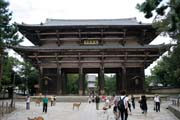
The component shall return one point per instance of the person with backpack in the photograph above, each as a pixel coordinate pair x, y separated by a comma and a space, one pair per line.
123, 105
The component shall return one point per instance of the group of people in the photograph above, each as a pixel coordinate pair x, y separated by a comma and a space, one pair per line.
122, 104
45, 101
122, 111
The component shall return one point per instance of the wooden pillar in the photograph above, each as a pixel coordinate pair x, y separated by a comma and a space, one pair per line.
142, 79
84, 80
40, 79
118, 82
124, 82
63, 82
80, 80
59, 79
99, 82
102, 81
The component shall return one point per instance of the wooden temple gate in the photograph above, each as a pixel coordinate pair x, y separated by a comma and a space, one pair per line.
119, 46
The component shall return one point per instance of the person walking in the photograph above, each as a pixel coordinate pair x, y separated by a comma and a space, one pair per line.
52, 100
97, 100
143, 104
157, 102
133, 101
45, 104
28, 100
115, 108
129, 107
89, 99
123, 105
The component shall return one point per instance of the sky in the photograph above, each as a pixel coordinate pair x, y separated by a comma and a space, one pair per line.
37, 11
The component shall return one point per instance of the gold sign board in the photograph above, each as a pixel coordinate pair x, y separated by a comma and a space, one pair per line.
90, 42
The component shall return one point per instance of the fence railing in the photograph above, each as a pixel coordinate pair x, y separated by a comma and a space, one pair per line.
5, 108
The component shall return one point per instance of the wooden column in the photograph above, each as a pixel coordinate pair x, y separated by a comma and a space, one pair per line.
59, 79
80, 80
102, 81
142, 79
40, 79
84, 87
118, 82
124, 82
63, 82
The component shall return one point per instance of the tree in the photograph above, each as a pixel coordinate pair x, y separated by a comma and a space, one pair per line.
167, 16
9, 64
72, 84
167, 20
8, 32
110, 84
8, 74
29, 76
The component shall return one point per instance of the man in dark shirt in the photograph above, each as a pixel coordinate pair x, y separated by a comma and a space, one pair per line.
97, 99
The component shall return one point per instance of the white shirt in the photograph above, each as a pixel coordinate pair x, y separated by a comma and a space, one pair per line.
125, 101
28, 100
157, 99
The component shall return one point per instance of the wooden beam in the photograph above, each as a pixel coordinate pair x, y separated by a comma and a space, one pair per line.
86, 38
76, 33
99, 61
75, 56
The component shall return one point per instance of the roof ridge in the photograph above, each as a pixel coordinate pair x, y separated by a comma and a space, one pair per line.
104, 19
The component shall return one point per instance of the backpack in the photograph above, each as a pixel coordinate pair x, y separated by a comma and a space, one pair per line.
121, 105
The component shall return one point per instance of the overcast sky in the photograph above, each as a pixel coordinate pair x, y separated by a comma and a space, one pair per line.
37, 11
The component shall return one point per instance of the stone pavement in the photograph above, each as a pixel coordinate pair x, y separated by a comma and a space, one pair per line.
64, 111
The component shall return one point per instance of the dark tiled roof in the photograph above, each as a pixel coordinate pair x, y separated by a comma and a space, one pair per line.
90, 22
129, 21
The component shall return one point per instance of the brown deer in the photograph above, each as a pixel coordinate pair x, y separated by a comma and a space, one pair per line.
77, 105
36, 118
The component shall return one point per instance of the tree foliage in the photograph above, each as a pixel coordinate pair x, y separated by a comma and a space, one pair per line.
29, 76
167, 15
110, 84
9, 64
167, 20
8, 31
167, 71
8, 34
72, 85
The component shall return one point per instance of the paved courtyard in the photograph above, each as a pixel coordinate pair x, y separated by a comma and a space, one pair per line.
64, 111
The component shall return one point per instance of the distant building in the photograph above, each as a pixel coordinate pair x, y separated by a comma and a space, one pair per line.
91, 79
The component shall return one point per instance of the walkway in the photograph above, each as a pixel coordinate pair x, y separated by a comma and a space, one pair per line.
64, 111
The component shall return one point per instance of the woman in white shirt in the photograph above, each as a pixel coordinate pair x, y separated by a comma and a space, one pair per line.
157, 101
28, 99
